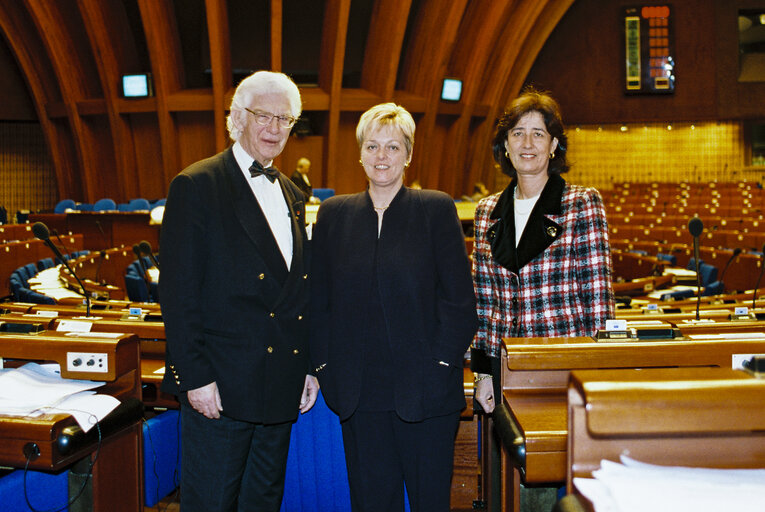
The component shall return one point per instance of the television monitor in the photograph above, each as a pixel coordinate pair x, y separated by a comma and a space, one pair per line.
137, 86
451, 90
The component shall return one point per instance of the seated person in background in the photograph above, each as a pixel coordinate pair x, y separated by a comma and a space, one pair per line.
479, 192
300, 178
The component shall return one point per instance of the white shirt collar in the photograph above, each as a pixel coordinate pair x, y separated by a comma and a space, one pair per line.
245, 161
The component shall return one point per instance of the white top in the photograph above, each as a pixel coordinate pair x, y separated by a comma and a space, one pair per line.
523, 208
272, 202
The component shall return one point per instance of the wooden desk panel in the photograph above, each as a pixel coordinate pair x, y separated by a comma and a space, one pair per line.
699, 417
103, 230
535, 379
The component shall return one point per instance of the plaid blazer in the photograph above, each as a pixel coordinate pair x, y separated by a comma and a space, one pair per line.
557, 282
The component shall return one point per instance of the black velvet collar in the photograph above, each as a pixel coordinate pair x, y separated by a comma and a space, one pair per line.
540, 231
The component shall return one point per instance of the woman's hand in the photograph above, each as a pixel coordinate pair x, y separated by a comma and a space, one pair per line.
484, 391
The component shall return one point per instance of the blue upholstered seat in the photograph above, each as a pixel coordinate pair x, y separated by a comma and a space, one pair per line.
105, 204
161, 456
45, 491
136, 288
139, 204
323, 193
64, 205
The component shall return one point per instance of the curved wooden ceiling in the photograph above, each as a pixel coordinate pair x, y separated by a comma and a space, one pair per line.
73, 52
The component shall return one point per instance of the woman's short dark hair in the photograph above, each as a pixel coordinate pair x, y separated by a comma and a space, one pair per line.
531, 100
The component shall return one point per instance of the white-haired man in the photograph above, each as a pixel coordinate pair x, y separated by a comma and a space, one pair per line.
234, 294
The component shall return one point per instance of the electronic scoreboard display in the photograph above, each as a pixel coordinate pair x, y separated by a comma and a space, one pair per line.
649, 50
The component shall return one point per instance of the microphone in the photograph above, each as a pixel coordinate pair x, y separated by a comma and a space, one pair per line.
695, 227
41, 232
762, 269
736, 252
66, 249
103, 235
142, 264
145, 248
101, 258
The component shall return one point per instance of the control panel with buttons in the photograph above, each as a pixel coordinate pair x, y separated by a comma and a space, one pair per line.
93, 362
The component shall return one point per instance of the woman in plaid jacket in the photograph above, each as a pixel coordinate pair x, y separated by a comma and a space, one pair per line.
541, 260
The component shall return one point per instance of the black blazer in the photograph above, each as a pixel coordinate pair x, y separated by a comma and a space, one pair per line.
426, 291
233, 313
300, 182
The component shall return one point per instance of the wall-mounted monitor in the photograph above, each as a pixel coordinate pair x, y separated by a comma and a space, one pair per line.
451, 90
137, 86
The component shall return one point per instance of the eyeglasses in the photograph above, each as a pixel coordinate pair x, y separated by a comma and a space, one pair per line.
264, 118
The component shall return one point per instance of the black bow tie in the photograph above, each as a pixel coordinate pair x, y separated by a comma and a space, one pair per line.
256, 169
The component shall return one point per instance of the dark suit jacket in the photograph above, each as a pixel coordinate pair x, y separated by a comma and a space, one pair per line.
233, 313
424, 281
299, 181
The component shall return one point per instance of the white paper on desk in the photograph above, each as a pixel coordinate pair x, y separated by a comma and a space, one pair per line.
637, 487
74, 326
86, 407
42, 385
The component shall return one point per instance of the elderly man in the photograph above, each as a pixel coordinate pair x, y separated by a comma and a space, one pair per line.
234, 294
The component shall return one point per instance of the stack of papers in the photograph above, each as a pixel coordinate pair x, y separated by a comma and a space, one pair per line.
33, 390
634, 486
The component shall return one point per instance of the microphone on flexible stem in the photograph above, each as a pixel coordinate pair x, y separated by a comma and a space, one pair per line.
101, 258
145, 248
762, 269
41, 232
66, 249
142, 264
736, 252
695, 227
103, 235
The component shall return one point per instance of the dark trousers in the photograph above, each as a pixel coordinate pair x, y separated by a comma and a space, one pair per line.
229, 465
383, 453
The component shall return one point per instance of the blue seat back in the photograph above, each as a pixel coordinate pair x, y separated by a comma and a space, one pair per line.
136, 288
323, 193
104, 204
44, 263
139, 204
64, 205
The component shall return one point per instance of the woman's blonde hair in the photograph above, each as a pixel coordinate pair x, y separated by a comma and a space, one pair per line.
387, 114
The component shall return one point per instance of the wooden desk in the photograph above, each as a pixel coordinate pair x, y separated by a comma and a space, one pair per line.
116, 475
535, 379
694, 417
698, 417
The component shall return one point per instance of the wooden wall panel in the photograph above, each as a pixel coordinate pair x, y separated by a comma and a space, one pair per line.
383, 49
71, 53
106, 181
582, 65
146, 141
349, 176
195, 140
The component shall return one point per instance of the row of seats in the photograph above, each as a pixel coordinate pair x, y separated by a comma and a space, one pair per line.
19, 280
107, 204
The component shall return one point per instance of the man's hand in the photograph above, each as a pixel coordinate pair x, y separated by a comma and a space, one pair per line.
206, 400
310, 392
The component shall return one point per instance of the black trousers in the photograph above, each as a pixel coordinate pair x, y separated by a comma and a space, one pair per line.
229, 465
384, 453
